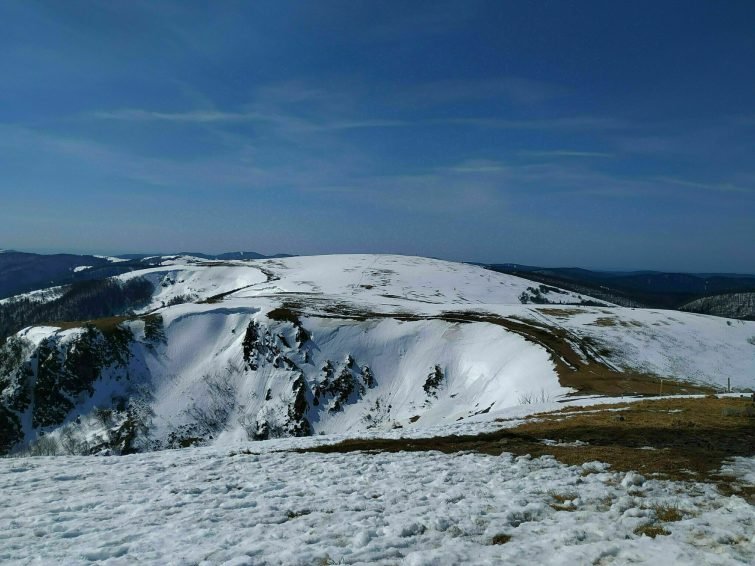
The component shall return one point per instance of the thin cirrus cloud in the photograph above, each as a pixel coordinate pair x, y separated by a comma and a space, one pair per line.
564, 153
194, 116
581, 122
219, 117
714, 187
476, 166
228, 170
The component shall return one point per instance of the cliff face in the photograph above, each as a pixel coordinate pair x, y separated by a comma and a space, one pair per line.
136, 387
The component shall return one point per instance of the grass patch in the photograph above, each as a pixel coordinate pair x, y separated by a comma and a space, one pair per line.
562, 501
686, 437
559, 312
727, 488
651, 531
668, 513
647, 440
604, 321
500, 539
578, 359
562, 507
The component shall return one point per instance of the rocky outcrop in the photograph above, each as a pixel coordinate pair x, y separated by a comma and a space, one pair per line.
49, 381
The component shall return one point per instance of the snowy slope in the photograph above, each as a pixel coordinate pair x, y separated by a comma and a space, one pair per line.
193, 282
395, 280
374, 280
693, 347
482, 364
208, 506
236, 350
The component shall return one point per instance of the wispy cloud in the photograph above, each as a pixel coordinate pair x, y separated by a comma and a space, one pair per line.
478, 166
231, 169
357, 124
565, 177
194, 116
323, 124
220, 117
428, 193
587, 123
715, 187
563, 153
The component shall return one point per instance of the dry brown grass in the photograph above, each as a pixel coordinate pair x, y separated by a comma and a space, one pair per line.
591, 377
728, 488
679, 438
604, 321
559, 312
668, 513
562, 501
684, 438
651, 530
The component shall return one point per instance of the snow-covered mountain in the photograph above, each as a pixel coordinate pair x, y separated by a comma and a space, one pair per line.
22, 272
236, 350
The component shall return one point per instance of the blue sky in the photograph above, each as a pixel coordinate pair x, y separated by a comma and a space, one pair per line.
595, 134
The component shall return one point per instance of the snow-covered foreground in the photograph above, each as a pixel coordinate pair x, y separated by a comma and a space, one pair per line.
209, 506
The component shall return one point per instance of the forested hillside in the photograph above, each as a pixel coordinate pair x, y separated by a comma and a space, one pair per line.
83, 300
731, 305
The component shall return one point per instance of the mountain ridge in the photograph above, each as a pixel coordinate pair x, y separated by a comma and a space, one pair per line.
225, 351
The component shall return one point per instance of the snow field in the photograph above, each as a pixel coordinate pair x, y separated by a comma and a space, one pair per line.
484, 367
194, 282
689, 347
39, 296
693, 347
206, 506
393, 280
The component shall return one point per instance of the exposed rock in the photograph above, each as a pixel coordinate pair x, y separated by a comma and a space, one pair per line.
433, 382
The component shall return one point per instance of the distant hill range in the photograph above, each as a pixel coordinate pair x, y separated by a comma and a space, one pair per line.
720, 294
223, 256
21, 272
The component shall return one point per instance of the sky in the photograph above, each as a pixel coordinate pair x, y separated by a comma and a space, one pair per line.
608, 135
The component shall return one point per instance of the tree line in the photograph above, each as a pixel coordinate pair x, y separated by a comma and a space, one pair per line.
84, 300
